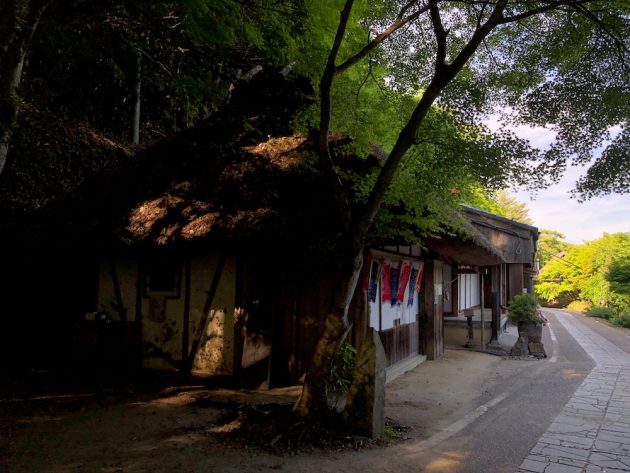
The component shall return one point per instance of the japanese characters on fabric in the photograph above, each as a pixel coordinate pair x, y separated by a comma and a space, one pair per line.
405, 273
371, 272
394, 284
415, 281
386, 288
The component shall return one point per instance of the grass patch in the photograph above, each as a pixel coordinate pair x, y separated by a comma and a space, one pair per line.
622, 320
601, 312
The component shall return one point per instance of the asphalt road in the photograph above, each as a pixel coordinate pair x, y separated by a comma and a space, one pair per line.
498, 440
509, 419
504, 430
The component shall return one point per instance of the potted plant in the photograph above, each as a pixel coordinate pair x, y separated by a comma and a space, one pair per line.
524, 311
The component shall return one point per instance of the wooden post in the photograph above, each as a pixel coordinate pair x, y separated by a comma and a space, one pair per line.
495, 275
205, 315
120, 306
185, 330
482, 317
433, 310
139, 284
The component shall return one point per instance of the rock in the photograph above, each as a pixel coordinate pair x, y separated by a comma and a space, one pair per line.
365, 405
520, 348
537, 349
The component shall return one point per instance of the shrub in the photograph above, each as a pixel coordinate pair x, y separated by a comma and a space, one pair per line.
524, 308
623, 320
601, 312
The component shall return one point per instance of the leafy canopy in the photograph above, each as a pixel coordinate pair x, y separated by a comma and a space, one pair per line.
565, 68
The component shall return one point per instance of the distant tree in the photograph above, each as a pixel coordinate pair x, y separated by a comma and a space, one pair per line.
596, 271
550, 244
511, 208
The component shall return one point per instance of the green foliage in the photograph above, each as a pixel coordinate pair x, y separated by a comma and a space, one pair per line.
601, 312
341, 370
623, 320
550, 244
83, 62
579, 306
523, 308
596, 271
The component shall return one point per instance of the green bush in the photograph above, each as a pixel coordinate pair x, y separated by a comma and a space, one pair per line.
601, 312
523, 308
579, 306
341, 370
623, 320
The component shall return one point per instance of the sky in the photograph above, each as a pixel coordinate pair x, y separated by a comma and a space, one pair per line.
554, 209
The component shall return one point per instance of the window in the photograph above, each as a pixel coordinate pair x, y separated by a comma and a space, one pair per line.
163, 275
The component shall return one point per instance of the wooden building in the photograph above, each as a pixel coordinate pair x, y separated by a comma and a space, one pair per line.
493, 260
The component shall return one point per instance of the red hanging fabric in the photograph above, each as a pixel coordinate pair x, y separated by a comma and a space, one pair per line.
386, 291
405, 273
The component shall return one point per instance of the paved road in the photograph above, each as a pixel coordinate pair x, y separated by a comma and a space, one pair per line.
568, 413
499, 440
592, 432
509, 421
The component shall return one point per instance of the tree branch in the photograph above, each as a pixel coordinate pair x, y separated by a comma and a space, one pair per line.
478, 37
440, 35
407, 137
323, 145
591, 16
400, 21
325, 84
535, 11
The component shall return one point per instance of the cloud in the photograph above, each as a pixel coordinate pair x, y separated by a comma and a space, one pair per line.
553, 208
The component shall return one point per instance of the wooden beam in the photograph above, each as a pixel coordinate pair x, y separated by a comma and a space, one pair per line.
185, 330
120, 306
205, 315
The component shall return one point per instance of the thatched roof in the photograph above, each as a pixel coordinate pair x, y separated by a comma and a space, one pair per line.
487, 239
239, 174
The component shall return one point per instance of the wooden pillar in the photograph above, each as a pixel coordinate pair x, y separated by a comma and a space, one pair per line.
495, 276
516, 280
455, 291
432, 305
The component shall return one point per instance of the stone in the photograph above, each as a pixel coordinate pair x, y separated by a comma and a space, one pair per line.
520, 348
365, 404
536, 349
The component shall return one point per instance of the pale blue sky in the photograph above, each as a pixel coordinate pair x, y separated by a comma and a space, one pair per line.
554, 209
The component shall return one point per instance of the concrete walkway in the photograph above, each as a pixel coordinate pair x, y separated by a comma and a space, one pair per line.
592, 432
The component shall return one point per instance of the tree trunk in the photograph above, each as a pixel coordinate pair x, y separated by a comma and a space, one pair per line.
15, 43
135, 134
313, 401
9, 100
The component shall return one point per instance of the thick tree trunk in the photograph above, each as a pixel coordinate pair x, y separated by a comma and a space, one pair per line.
16, 39
313, 400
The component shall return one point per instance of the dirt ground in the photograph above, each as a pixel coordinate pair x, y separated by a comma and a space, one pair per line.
185, 428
